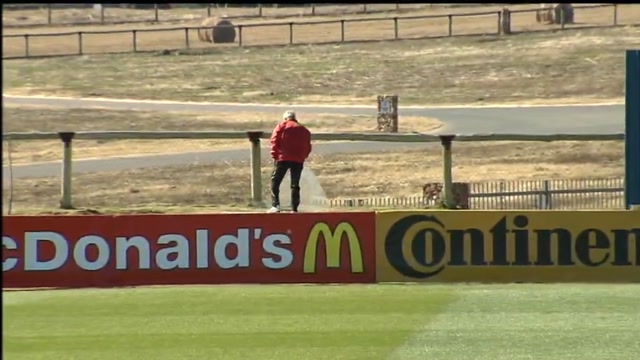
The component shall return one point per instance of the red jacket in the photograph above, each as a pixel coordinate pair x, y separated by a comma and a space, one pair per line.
290, 141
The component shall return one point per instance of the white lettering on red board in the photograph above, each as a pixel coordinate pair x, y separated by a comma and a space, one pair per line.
174, 253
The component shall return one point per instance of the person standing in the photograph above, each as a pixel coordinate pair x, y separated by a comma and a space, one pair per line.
290, 148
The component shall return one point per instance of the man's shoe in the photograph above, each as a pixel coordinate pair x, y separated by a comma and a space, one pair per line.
274, 209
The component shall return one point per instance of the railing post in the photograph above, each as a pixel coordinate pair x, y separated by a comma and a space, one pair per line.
209, 10
395, 28
186, 37
65, 199
450, 24
80, 43
506, 22
26, 45
290, 33
615, 14
342, 30
239, 35
259, 10
49, 21
256, 168
156, 15
102, 13
134, 33
447, 172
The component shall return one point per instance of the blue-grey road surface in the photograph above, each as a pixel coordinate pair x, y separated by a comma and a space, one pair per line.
569, 119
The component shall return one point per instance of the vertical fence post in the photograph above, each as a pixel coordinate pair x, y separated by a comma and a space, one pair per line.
615, 14
49, 15
313, 9
102, 13
364, 8
65, 199
450, 24
26, 45
80, 43
259, 10
397, 6
632, 130
290, 33
447, 172
342, 30
209, 10
395, 28
134, 34
186, 37
155, 10
239, 35
545, 199
505, 23
256, 168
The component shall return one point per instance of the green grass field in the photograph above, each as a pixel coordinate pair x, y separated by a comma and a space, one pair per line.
325, 322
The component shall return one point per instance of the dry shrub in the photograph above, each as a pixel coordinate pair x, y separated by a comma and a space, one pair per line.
432, 194
555, 14
217, 31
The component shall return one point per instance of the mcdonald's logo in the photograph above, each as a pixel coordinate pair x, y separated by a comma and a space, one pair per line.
333, 246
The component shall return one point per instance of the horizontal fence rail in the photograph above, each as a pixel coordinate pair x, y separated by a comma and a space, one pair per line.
530, 195
331, 136
112, 14
17, 46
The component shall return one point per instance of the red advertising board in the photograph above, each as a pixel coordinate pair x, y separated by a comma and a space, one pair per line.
107, 251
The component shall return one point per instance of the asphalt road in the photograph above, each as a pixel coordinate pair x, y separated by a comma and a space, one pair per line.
575, 119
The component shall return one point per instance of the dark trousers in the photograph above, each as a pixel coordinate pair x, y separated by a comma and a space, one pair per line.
279, 171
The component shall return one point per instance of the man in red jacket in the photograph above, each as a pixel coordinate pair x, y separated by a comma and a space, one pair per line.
290, 147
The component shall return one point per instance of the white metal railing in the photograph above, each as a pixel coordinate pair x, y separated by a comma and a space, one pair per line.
255, 136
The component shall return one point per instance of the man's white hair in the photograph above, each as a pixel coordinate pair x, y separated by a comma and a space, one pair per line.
289, 115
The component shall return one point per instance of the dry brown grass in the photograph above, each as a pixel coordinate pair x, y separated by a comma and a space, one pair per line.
535, 67
278, 34
39, 17
397, 173
55, 120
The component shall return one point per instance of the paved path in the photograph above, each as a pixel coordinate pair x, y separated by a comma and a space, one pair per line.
576, 119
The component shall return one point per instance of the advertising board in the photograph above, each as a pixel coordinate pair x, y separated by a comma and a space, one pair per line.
106, 251
508, 246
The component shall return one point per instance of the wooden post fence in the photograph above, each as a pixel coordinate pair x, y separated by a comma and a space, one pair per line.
255, 154
504, 25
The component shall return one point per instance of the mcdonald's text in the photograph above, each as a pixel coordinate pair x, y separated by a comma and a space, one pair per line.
104, 251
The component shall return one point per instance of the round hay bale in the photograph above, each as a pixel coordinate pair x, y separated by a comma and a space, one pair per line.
217, 31
563, 13
555, 13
